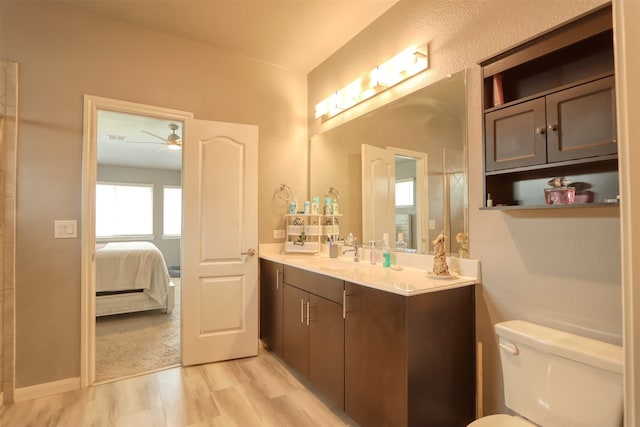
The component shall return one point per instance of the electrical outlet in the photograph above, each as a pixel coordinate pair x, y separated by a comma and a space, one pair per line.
432, 224
278, 234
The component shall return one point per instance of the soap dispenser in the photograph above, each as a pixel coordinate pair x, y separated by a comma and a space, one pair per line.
386, 251
401, 245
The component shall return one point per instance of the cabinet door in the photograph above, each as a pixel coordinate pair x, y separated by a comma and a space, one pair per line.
326, 348
296, 335
375, 357
515, 136
582, 121
271, 305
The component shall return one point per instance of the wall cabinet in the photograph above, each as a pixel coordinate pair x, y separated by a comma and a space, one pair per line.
271, 305
314, 330
570, 124
550, 111
410, 361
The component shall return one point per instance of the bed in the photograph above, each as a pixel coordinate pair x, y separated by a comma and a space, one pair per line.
130, 277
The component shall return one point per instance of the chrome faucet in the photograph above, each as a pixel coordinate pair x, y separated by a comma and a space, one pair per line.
356, 256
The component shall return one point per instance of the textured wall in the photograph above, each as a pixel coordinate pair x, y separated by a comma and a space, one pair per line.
531, 267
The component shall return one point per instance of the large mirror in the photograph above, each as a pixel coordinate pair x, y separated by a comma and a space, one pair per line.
401, 168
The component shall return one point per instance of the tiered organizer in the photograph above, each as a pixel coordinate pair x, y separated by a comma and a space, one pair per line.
316, 228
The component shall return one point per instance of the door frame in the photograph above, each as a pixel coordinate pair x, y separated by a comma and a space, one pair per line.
88, 236
422, 190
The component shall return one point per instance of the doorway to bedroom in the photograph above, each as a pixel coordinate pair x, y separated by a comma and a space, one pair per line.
138, 219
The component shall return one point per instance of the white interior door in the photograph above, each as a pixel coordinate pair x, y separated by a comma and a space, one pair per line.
378, 193
220, 233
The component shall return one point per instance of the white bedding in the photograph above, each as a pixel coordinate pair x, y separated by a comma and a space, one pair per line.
132, 265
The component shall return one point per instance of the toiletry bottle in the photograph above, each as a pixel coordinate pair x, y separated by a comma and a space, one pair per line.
386, 251
372, 252
315, 206
401, 245
307, 207
334, 207
489, 200
328, 208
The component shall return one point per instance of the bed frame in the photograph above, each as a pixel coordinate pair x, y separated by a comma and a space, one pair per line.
130, 302
131, 277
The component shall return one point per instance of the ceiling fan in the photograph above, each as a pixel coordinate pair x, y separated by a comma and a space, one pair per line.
173, 141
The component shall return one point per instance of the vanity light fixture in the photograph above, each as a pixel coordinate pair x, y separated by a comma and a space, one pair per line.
404, 65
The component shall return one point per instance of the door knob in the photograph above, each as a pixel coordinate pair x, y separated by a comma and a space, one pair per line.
250, 252
553, 127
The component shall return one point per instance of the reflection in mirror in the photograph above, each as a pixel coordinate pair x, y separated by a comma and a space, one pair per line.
416, 164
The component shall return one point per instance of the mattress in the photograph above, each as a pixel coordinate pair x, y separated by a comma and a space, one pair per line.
124, 266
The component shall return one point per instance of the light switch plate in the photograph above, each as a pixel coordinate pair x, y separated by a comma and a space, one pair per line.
432, 224
66, 229
278, 234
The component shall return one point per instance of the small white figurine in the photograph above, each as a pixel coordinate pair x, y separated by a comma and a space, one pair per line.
440, 267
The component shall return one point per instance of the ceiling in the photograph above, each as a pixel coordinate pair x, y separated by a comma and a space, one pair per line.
293, 34
136, 141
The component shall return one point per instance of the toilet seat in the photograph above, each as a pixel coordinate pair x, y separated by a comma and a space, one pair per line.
501, 420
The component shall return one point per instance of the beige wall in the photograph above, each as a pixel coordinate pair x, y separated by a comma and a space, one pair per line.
560, 269
64, 54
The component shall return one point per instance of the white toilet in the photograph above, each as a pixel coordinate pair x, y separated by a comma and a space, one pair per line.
557, 379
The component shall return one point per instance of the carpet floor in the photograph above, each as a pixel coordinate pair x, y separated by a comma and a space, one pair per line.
134, 343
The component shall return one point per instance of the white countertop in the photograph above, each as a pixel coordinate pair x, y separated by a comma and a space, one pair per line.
407, 281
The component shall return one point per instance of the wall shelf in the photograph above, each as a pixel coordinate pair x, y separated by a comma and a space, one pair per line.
539, 207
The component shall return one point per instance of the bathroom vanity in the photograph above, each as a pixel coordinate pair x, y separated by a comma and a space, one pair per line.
388, 347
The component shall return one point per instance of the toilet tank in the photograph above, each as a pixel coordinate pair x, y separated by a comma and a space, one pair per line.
558, 379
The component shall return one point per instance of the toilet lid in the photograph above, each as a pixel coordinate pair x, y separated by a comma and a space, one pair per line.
501, 420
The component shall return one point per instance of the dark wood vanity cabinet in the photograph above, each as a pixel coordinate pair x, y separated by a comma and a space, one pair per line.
549, 111
410, 361
271, 306
314, 330
385, 359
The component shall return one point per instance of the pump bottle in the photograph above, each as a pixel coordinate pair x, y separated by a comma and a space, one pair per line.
386, 251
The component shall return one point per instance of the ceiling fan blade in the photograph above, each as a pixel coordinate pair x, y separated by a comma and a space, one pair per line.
146, 142
156, 136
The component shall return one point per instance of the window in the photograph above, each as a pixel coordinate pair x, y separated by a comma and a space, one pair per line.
404, 192
172, 209
124, 210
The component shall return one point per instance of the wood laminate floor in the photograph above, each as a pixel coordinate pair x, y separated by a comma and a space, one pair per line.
257, 391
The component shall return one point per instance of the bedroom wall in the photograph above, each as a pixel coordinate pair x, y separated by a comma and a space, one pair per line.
63, 54
170, 248
559, 269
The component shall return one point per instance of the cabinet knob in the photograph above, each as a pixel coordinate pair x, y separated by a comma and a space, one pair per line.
541, 131
553, 127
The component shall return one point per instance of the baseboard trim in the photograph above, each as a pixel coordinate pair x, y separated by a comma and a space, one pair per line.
46, 389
